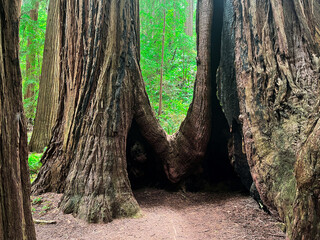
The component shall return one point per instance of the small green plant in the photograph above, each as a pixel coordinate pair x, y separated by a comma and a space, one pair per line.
34, 162
46, 207
37, 200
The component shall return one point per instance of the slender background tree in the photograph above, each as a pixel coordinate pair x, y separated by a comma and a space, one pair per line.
47, 107
31, 55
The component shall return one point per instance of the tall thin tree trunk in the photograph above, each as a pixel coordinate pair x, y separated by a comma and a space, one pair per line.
183, 66
162, 58
31, 57
15, 210
47, 106
189, 21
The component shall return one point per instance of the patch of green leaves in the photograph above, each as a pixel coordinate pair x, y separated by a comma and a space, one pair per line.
37, 200
34, 162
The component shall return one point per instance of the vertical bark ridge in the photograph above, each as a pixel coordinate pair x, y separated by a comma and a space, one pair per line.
97, 69
15, 210
276, 52
306, 212
47, 106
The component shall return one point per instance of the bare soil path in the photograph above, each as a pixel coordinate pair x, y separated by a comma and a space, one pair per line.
167, 215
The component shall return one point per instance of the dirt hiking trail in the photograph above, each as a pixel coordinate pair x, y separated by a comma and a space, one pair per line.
166, 216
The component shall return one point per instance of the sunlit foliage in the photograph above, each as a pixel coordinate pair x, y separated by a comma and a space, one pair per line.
32, 37
179, 58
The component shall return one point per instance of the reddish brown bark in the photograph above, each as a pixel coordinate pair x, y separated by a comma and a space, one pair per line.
102, 93
15, 213
269, 60
276, 51
47, 106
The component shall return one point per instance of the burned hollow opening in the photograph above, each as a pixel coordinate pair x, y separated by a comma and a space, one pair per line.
225, 160
143, 166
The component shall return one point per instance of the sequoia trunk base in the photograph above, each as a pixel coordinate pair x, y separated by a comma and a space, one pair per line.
271, 61
103, 92
267, 84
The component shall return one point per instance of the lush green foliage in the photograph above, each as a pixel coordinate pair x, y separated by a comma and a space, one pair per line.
34, 162
179, 58
32, 37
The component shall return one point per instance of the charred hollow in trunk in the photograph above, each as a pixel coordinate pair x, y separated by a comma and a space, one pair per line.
216, 166
224, 161
143, 166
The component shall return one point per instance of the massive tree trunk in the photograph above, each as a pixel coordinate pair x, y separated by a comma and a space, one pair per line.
103, 92
47, 106
273, 68
15, 214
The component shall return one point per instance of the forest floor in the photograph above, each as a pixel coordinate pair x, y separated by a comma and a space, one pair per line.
166, 215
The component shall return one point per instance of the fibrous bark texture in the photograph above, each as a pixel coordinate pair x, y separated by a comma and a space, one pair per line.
15, 212
273, 66
88, 147
47, 106
228, 96
102, 93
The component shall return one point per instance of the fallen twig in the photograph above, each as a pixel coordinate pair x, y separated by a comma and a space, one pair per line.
37, 221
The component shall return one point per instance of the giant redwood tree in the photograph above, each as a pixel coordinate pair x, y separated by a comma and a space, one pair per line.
15, 210
268, 86
270, 67
102, 93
